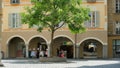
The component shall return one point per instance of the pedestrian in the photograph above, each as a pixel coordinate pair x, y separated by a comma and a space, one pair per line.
41, 53
58, 52
37, 54
61, 53
46, 53
33, 53
29, 53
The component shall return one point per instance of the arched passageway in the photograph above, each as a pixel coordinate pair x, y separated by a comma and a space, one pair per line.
91, 48
37, 44
16, 48
65, 44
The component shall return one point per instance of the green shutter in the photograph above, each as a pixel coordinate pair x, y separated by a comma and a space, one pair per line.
97, 19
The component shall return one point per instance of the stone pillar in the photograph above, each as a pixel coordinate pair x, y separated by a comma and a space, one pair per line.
48, 45
105, 51
0, 42
27, 51
74, 51
77, 52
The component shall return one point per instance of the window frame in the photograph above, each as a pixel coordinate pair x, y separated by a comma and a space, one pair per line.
92, 22
117, 6
15, 20
117, 27
15, 1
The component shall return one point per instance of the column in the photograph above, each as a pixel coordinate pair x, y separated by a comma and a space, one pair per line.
77, 51
1, 65
105, 51
74, 51
48, 45
0, 52
27, 51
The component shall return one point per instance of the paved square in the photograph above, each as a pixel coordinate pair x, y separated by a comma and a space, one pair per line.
34, 63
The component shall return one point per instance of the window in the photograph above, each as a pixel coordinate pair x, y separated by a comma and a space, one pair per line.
116, 48
14, 20
117, 6
92, 21
15, 1
117, 27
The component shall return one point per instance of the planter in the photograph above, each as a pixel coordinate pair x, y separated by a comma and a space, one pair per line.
52, 59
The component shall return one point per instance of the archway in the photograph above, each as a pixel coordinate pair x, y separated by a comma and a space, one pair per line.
16, 48
91, 48
37, 44
65, 44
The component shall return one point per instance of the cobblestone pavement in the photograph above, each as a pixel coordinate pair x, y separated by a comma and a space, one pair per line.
71, 63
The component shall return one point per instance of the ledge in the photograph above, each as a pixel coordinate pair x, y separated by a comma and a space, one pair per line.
52, 59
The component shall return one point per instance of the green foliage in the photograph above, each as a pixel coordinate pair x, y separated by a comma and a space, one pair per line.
49, 13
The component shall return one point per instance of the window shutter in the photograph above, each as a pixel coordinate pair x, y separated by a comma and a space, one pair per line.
11, 1
10, 20
18, 1
113, 6
18, 20
97, 19
87, 24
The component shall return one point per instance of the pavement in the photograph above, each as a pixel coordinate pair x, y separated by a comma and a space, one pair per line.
71, 63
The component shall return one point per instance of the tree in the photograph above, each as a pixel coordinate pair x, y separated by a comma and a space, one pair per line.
53, 14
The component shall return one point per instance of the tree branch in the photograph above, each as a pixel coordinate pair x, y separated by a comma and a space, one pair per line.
59, 26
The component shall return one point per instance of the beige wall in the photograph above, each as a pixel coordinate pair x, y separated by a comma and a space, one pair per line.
26, 33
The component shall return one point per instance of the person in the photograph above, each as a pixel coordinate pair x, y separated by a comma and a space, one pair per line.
33, 53
29, 53
37, 54
24, 52
46, 53
41, 53
57, 52
62, 53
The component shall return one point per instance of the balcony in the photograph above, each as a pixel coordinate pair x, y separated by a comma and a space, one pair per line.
91, 1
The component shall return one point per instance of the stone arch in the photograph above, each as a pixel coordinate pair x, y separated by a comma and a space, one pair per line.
63, 43
91, 38
64, 36
91, 48
35, 37
16, 47
37, 43
14, 37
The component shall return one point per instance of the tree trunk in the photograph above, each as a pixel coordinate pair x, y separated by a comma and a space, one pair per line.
51, 44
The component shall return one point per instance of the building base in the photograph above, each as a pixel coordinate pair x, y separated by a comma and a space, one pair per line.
1, 65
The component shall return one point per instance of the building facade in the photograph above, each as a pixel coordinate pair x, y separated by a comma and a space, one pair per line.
113, 28
19, 40
0, 21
